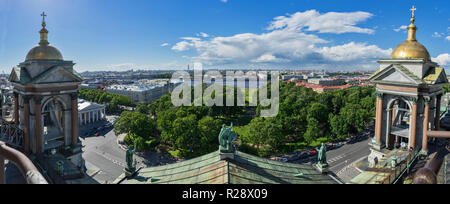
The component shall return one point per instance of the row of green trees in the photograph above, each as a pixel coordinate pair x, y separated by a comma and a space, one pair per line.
187, 131
305, 118
113, 101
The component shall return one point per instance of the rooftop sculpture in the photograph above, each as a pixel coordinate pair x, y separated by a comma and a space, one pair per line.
226, 138
322, 157
131, 167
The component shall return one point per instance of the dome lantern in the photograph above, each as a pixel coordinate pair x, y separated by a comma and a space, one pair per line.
411, 48
44, 51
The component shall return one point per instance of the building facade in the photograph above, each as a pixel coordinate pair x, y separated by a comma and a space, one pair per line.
45, 96
409, 92
89, 112
140, 93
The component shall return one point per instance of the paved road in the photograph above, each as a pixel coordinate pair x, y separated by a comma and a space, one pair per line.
339, 158
104, 153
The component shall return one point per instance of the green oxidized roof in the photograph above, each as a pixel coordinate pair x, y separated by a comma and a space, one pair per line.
374, 77
431, 77
409, 74
243, 169
23, 77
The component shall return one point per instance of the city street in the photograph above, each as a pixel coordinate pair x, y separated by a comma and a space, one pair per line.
105, 160
340, 160
347, 154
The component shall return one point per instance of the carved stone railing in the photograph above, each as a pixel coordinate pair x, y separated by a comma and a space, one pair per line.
11, 134
26, 167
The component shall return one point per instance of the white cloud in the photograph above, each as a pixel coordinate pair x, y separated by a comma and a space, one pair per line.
224, 1
353, 52
290, 40
268, 58
437, 35
165, 44
202, 34
448, 38
331, 22
403, 27
443, 59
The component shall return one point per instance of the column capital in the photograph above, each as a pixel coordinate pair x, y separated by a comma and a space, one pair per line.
379, 94
74, 96
26, 99
414, 99
38, 100
427, 100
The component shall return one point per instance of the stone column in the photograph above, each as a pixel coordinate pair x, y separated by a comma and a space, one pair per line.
38, 128
388, 126
16, 108
413, 125
74, 118
379, 119
26, 123
425, 125
437, 119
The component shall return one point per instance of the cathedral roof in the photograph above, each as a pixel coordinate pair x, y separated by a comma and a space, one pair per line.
398, 74
243, 169
55, 74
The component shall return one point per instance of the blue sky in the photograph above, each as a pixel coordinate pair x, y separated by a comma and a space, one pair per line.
169, 34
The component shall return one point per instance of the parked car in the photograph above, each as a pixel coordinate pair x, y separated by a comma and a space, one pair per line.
340, 144
352, 140
298, 156
312, 153
303, 156
97, 134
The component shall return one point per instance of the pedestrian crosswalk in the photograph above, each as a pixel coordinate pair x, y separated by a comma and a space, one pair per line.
335, 159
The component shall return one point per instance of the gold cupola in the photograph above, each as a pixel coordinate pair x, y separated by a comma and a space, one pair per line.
44, 51
411, 48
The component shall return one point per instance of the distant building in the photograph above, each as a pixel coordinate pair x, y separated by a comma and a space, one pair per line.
89, 112
322, 88
326, 81
90, 86
144, 91
292, 77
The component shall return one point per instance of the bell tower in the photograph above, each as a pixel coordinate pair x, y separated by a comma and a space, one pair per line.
46, 100
409, 91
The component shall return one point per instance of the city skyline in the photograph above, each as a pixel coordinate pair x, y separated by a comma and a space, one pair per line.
120, 36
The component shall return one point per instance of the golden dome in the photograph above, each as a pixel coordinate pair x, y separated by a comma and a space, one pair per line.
44, 51
411, 49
